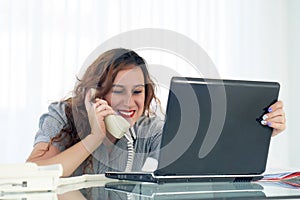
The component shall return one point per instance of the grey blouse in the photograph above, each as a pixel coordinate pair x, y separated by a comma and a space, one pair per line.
147, 143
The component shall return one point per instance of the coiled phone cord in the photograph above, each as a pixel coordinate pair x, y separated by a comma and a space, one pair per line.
130, 136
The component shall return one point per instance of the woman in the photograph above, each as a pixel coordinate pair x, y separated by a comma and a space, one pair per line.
74, 133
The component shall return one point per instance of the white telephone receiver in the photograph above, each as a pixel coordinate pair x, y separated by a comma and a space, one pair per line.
115, 124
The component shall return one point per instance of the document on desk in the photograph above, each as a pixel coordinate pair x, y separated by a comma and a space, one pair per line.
288, 178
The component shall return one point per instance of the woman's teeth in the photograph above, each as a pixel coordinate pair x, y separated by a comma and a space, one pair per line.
126, 113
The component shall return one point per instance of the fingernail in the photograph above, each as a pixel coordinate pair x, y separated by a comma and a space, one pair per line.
269, 123
263, 122
270, 109
265, 117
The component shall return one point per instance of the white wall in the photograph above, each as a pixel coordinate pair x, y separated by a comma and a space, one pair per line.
293, 72
44, 43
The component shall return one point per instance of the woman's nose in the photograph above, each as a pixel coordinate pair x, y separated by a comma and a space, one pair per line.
128, 101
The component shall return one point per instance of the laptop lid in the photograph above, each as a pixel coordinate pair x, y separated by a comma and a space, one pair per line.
212, 127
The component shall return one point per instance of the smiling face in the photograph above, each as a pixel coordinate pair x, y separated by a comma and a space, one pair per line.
127, 95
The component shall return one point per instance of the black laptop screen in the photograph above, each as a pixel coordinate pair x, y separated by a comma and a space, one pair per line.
213, 127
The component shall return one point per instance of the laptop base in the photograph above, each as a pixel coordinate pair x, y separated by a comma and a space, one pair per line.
150, 177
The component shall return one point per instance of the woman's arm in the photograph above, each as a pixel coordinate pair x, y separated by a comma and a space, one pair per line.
70, 159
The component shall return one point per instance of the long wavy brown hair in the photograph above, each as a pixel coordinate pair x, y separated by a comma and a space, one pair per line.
100, 75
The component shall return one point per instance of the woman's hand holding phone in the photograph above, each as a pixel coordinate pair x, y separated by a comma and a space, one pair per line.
97, 110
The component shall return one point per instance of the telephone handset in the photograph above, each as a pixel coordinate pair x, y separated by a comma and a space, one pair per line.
115, 124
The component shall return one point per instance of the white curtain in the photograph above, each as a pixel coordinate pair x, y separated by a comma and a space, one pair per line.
43, 44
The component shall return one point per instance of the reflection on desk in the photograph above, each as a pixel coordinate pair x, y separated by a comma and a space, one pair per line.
122, 190
189, 190
129, 190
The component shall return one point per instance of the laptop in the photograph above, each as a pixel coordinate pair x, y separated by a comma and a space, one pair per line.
212, 132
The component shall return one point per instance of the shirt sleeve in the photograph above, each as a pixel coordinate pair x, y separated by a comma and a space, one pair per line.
51, 123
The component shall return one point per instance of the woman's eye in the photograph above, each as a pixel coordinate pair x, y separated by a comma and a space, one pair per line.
117, 91
137, 91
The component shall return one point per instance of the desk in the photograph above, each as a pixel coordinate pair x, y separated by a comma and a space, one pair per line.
128, 190
121, 190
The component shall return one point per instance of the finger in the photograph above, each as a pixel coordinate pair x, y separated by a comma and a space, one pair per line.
103, 114
274, 120
107, 112
280, 120
99, 102
102, 107
275, 106
276, 113
277, 116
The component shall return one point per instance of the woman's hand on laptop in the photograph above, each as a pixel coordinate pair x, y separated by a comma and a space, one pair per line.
275, 118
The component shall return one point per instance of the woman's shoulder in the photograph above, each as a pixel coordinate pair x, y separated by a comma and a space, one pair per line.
57, 106
57, 111
60, 106
52, 122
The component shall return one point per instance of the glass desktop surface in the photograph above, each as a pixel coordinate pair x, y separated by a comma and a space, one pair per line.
130, 190
143, 191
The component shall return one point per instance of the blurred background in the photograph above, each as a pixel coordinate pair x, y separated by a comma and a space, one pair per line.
44, 43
